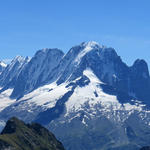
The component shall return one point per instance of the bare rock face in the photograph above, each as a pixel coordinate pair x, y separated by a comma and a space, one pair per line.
145, 148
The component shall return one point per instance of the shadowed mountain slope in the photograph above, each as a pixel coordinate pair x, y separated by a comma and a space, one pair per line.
20, 136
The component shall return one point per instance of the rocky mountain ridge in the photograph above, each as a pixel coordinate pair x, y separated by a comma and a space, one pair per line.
20, 136
90, 88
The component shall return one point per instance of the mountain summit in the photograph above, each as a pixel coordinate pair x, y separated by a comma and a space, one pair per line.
2, 66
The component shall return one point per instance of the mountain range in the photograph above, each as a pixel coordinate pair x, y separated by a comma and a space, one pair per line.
89, 98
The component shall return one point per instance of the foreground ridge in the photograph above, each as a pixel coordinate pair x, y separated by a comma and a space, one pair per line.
20, 136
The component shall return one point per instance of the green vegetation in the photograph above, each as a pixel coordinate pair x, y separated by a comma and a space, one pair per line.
20, 136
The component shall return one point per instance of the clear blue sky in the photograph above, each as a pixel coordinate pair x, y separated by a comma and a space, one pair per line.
29, 25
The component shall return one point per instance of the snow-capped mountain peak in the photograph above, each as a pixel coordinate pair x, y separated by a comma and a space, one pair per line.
87, 47
46, 51
37, 71
18, 58
3, 64
10, 74
91, 44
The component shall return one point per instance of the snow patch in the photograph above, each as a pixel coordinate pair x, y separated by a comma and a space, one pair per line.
5, 100
93, 78
46, 96
84, 98
3, 64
